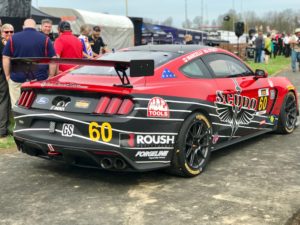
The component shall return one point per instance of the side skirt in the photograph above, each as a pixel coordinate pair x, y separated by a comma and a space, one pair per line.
237, 140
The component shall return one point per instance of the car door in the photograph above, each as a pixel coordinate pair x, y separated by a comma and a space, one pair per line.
242, 99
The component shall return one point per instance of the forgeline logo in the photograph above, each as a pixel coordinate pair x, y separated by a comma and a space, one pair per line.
152, 154
141, 140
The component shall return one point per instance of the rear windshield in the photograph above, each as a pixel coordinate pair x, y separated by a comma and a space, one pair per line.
159, 58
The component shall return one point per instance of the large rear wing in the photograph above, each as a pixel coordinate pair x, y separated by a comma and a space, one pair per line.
138, 68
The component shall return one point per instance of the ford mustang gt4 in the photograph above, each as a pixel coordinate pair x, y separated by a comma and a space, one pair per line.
149, 107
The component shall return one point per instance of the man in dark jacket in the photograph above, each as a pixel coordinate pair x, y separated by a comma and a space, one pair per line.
27, 43
259, 44
6, 32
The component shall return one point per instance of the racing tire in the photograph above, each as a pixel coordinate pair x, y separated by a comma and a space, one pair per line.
288, 115
192, 149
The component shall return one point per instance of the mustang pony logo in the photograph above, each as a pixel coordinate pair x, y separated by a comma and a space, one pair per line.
235, 109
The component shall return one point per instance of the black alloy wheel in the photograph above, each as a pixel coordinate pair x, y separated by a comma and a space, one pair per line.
197, 144
288, 115
192, 149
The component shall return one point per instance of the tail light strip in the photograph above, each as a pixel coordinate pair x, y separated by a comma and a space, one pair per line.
114, 106
26, 99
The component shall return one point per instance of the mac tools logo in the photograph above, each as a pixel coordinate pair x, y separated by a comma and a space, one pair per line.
234, 108
158, 107
142, 140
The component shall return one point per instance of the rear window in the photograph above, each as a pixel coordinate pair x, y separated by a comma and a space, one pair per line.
159, 58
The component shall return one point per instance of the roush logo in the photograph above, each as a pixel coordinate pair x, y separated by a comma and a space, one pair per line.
158, 107
154, 139
141, 140
152, 154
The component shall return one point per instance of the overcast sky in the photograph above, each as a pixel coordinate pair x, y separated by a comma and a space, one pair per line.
162, 9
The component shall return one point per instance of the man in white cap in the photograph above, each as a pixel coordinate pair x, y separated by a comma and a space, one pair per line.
295, 46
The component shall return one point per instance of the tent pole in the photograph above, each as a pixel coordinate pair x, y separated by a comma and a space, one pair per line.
126, 3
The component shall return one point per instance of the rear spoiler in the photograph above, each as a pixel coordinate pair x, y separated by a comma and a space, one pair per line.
138, 68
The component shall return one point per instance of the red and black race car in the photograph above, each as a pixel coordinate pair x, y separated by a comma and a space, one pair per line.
150, 107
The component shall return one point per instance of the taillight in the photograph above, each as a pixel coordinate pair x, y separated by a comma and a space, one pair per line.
26, 99
102, 105
114, 106
126, 107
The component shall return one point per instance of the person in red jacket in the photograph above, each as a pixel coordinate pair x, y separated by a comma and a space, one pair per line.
67, 45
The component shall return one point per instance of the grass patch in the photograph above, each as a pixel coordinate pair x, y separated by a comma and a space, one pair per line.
8, 142
274, 66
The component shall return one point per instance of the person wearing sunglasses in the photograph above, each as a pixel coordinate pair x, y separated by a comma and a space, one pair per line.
7, 31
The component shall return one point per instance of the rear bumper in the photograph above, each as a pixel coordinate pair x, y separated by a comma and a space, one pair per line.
108, 160
35, 136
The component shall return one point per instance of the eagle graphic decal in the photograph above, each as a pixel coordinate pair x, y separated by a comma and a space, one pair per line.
235, 109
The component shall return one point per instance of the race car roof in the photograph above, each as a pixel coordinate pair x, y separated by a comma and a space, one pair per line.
181, 49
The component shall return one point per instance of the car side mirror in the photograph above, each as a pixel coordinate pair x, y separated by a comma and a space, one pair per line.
261, 73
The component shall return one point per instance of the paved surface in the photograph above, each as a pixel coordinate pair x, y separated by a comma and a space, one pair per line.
255, 182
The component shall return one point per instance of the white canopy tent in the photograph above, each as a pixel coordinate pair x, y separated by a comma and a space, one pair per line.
116, 31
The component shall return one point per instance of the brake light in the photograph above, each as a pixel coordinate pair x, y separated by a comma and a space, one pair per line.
26, 99
114, 106
102, 105
126, 107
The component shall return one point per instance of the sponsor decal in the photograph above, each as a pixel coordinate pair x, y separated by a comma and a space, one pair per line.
52, 126
67, 130
101, 132
60, 106
215, 138
263, 122
50, 148
82, 104
272, 94
263, 92
235, 109
197, 54
47, 83
146, 140
42, 100
158, 107
261, 112
272, 119
152, 154
167, 74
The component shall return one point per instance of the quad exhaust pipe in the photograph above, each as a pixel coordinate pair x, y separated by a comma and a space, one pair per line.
106, 163
117, 163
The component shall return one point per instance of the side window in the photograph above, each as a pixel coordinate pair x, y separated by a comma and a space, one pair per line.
224, 65
195, 69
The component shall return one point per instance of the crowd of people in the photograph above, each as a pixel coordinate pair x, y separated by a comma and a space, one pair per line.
272, 45
33, 43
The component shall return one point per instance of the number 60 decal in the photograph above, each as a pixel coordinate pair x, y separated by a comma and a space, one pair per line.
103, 132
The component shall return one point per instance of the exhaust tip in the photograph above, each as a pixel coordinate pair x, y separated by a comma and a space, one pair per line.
119, 164
106, 163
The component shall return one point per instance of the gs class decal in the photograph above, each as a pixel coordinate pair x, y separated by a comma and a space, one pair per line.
101, 132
